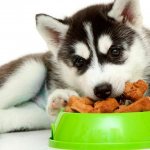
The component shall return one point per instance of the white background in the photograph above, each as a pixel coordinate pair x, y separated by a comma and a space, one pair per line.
18, 35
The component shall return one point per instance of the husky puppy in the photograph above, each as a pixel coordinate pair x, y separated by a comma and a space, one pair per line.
92, 53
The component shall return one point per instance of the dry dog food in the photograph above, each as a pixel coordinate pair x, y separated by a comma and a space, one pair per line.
133, 93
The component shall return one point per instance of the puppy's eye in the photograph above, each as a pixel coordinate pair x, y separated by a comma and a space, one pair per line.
78, 61
115, 52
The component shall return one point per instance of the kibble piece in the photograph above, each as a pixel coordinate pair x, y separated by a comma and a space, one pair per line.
68, 109
135, 91
142, 104
79, 104
81, 107
106, 106
86, 101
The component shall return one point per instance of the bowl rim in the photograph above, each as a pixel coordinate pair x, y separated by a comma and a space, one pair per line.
117, 113
89, 146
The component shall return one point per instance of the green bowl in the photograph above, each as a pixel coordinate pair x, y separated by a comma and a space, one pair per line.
101, 131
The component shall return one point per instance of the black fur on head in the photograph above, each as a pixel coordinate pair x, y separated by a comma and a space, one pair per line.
101, 23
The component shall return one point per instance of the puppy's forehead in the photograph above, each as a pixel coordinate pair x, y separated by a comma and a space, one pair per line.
100, 24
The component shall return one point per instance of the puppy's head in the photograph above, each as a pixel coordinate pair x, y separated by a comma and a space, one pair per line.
98, 49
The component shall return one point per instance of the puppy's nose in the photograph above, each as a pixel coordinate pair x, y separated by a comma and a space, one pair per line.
103, 90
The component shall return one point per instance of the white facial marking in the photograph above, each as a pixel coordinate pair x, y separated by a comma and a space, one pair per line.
104, 43
82, 50
91, 78
88, 29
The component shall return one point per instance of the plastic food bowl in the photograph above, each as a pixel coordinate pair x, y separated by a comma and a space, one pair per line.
101, 131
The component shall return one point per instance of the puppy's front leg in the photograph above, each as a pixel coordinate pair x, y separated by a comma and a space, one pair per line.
26, 116
56, 101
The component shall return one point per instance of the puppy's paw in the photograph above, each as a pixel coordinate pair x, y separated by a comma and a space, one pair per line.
58, 99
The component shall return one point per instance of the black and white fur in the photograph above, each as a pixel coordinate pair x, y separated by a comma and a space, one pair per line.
101, 44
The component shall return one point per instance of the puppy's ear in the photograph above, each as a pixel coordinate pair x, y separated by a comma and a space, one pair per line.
126, 11
52, 30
